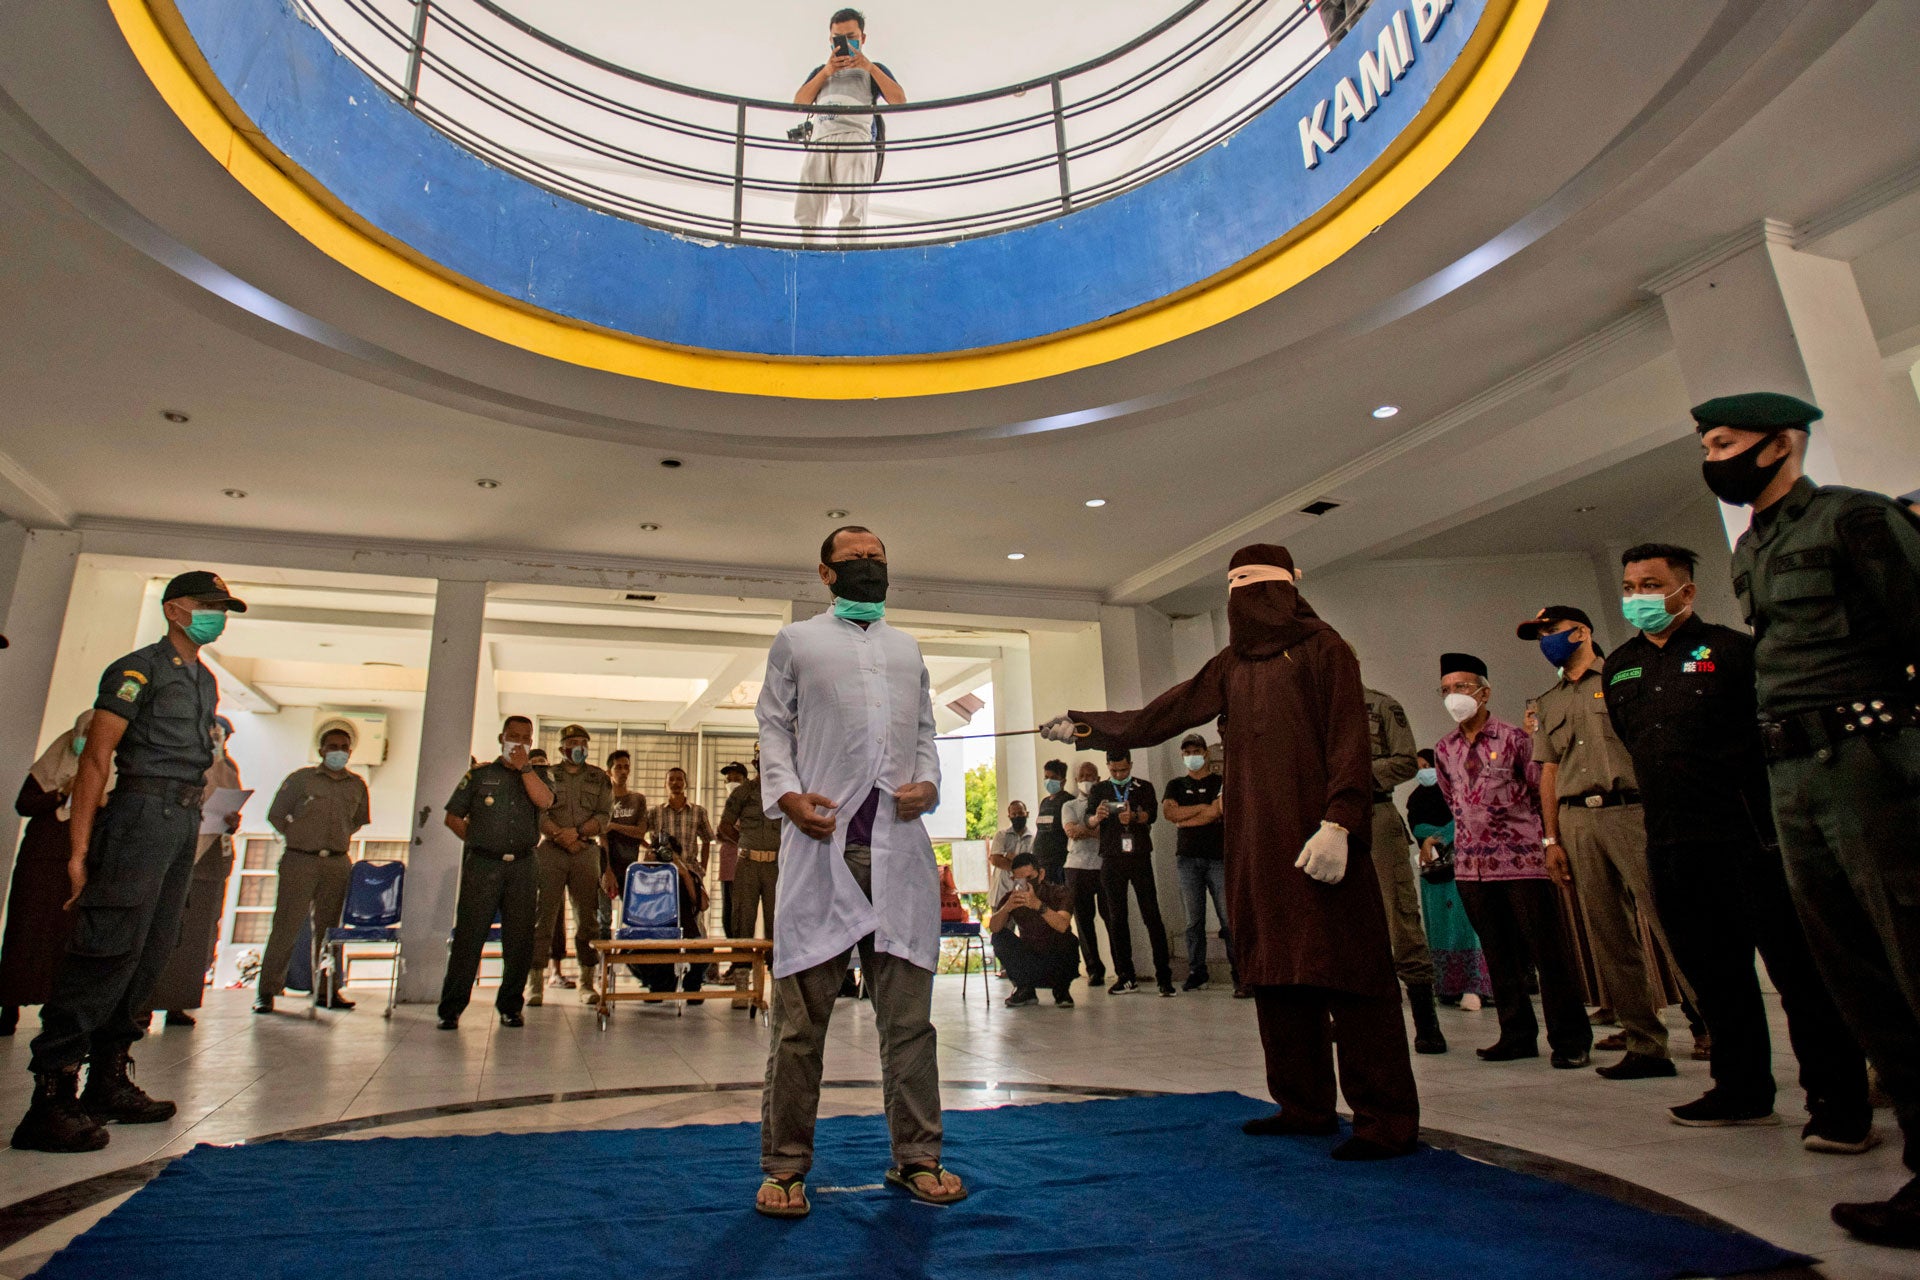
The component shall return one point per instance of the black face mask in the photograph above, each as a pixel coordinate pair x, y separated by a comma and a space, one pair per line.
1019, 823
861, 581
1742, 478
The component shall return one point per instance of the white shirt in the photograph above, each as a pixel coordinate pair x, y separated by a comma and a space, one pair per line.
845, 710
1083, 854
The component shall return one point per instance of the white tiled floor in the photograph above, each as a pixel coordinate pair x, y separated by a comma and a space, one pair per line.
237, 1076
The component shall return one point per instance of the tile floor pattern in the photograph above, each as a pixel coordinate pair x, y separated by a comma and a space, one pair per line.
237, 1076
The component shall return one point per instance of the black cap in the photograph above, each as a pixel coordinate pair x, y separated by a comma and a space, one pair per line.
1767, 411
1115, 756
734, 767
1452, 662
1532, 627
1193, 740
205, 587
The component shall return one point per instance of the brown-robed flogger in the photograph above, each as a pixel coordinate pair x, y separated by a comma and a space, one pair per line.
1303, 903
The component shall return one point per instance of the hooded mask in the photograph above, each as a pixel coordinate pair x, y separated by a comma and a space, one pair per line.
1264, 619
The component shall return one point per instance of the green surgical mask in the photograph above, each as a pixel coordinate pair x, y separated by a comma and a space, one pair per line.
80, 745
1647, 611
859, 610
206, 625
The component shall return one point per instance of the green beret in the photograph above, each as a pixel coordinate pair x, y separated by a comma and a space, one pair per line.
1756, 411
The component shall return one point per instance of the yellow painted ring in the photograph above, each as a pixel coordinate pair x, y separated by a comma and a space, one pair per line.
1460, 105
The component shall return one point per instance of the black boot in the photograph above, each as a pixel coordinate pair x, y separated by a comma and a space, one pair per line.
54, 1122
111, 1094
1426, 1023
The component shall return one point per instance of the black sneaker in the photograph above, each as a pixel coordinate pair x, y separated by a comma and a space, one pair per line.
1123, 987
1022, 996
1638, 1066
1095, 980
512, 1020
448, 1024
1195, 980
1166, 987
1894, 1222
1063, 997
1840, 1137
1715, 1110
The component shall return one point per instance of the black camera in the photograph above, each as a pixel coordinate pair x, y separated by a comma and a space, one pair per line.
802, 132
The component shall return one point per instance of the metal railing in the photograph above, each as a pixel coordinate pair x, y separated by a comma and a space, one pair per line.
718, 167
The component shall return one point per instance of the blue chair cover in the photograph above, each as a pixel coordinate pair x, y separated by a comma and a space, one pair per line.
372, 912
650, 903
959, 928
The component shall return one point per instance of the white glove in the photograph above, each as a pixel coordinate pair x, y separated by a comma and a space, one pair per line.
1325, 857
1058, 729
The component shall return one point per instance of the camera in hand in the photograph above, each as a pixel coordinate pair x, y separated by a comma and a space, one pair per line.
802, 132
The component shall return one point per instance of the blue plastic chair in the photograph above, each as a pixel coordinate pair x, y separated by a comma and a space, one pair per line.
650, 902
372, 914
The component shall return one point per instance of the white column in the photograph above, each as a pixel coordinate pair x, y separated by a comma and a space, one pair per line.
446, 734
35, 611
1771, 318
1137, 651
1016, 764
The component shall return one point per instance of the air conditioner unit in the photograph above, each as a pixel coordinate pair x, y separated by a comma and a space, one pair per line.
368, 729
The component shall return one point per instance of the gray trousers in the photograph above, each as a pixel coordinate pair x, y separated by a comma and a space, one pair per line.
566, 875
1608, 850
310, 886
753, 888
125, 926
1393, 865
909, 1067
1850, 836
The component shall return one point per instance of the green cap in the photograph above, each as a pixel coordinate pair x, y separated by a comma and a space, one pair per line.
1756, 411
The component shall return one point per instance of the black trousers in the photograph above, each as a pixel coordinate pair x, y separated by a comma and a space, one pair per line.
1052, 963
1117, 874
1720, 902
1518, 921
125, 928
1089, 904
487, 886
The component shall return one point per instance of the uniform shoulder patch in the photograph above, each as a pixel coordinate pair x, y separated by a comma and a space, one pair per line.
1400, 715
131, 683
466, 780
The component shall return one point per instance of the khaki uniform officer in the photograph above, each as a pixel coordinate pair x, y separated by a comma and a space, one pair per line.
757, 875
496, 813
1829, 580
1394, 762
569, 856
1590, 808
316, 811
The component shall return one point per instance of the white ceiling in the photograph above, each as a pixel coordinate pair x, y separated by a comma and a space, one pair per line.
1629, 142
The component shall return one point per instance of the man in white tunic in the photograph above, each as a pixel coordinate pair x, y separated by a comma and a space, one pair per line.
847, 756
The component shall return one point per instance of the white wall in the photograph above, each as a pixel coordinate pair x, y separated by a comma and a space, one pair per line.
1402, 615
102, 623
269, 747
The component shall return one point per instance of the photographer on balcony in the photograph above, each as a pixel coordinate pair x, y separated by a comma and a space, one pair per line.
843, 149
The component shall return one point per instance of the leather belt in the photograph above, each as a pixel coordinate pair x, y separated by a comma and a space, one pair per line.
1814, 733
1600, 800
496, 857
185, 794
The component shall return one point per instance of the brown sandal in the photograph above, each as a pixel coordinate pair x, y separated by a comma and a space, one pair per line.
908, 1179
789, 1209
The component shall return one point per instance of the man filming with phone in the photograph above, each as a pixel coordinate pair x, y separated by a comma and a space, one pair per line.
842, 153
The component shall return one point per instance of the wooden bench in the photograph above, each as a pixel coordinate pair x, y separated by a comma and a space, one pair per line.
708, 951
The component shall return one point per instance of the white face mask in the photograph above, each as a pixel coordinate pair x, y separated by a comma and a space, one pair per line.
1461, 706
1083, 787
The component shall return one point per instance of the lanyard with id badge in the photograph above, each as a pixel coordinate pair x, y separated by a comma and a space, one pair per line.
1120, 794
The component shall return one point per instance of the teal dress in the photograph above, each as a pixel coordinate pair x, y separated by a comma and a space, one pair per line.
1458, 965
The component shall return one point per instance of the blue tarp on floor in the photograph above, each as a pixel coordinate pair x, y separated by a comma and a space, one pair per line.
1163, 1187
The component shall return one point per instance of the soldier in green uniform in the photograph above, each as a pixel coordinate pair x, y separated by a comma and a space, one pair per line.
1394, 762
496, 813
130, 871
1829, 580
